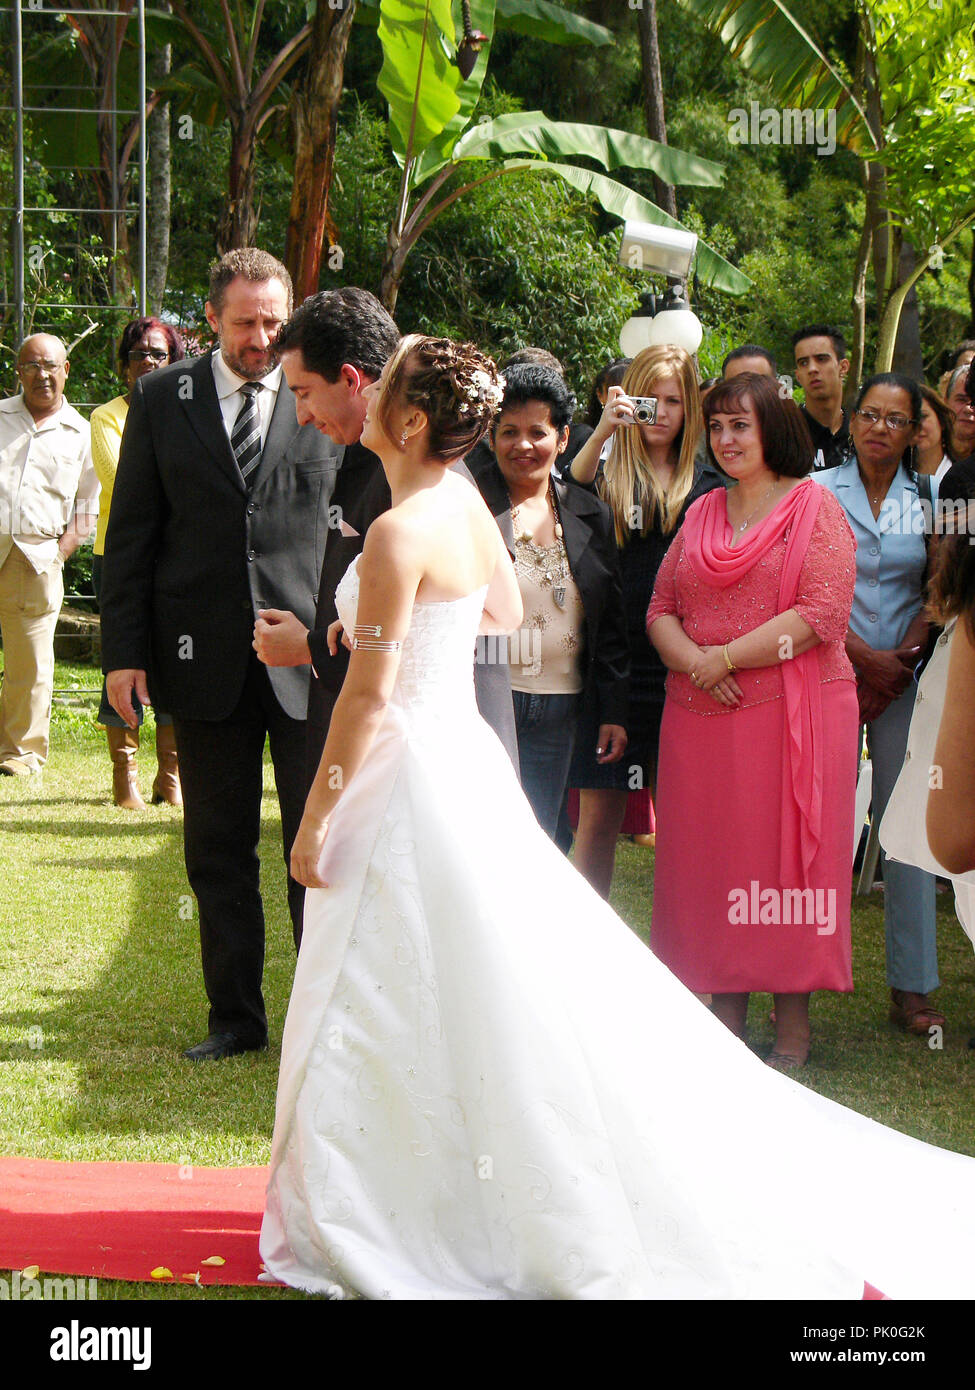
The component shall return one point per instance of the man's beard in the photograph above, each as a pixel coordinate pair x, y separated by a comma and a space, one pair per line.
249, 373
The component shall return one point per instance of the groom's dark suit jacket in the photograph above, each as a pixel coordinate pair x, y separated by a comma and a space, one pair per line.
192, 554
362, 493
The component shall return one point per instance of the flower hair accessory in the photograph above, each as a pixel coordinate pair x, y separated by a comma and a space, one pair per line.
454, 383
484, 389
480, 391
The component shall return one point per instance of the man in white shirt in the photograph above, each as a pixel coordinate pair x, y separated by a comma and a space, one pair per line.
48, 505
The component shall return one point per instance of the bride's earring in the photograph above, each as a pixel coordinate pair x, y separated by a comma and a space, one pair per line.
402, 440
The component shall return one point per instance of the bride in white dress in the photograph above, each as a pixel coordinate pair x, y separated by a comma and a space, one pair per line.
489, 1088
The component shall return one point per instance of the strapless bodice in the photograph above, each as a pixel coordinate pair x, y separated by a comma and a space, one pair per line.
436, 671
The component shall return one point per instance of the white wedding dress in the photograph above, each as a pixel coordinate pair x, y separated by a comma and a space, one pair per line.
490, 1089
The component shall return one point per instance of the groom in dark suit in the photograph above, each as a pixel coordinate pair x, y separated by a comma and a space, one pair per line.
220, 509
336, 343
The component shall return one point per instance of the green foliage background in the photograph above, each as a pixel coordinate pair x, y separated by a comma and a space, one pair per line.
520, 260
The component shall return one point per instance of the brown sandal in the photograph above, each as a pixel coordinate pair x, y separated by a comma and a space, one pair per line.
918, 1019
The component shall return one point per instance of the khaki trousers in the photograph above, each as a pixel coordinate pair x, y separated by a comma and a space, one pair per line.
29, 608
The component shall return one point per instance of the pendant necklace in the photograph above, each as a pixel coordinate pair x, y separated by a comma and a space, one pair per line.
525, 537
755, 509
558, 590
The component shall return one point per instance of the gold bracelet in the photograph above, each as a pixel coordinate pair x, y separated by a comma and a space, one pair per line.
727, 659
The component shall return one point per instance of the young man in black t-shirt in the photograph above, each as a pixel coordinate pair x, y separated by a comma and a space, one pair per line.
821, 368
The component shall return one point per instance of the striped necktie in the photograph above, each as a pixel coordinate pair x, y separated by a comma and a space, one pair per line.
246, 438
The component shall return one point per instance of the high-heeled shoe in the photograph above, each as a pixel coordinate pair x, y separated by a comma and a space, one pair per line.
123, 744
166, 785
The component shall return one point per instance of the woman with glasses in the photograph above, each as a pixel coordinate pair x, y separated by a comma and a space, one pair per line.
959, 400
145, 344
882, 498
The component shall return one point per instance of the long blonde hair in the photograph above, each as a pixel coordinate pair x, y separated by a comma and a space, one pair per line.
628, 481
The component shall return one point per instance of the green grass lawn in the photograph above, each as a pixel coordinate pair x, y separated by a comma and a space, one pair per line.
101, 989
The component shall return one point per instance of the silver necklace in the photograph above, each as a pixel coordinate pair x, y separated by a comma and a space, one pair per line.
762, 500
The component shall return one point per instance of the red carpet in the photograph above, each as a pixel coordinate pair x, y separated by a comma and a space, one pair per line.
123, 1220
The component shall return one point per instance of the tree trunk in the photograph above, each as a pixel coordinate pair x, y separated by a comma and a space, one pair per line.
653, 97
884, 263
111, 182
157, 231
315, 108
859, 303
887, 337
908, 355
238, 225
392, 271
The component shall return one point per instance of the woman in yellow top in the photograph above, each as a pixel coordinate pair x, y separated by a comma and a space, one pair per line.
145, 344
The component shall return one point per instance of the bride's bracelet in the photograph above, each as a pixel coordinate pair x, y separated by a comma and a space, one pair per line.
367, 638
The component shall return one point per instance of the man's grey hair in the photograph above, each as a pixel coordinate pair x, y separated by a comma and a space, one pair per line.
250, 264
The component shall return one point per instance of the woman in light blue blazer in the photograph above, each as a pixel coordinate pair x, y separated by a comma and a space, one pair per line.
890, 513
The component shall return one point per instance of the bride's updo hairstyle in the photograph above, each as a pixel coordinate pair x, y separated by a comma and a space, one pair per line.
455, 385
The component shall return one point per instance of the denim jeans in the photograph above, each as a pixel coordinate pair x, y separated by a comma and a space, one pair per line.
546, 729
909, 892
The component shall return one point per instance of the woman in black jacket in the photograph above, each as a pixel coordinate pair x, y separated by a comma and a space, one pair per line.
573, 640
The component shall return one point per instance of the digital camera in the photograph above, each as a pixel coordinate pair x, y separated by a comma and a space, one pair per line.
644, 410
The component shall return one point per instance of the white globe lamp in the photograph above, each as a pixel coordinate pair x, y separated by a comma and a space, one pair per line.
662, 320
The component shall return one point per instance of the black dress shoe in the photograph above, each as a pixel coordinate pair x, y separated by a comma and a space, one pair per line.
218, 1045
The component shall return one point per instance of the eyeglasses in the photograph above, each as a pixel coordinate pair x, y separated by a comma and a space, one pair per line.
893, 422
34, 368
144, 354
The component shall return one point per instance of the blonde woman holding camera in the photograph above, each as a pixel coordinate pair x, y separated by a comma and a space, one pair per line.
649, 480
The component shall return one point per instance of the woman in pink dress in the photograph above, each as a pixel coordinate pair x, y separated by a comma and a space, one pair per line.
758, 747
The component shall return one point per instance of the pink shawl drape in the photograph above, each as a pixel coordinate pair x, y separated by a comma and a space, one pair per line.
717, 563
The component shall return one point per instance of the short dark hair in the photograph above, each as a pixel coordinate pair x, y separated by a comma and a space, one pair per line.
749, 350
823, 330
970, 383
137, 329
966, 345
901, 383
337, 326
541, 357
250, 263
610, 375
526, 382
786, 441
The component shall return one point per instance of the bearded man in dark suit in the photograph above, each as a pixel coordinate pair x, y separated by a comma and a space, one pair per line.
334, 346
220, 510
